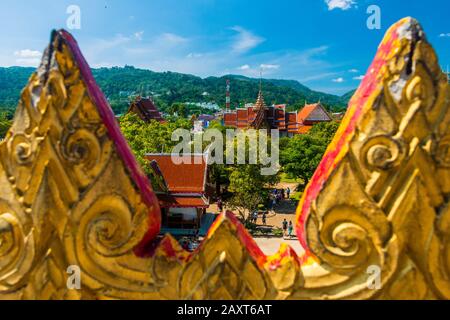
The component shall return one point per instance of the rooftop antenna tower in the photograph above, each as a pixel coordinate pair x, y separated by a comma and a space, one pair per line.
260, 79
228, 100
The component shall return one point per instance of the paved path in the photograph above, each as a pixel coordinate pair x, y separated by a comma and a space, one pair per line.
271, 246
285, 210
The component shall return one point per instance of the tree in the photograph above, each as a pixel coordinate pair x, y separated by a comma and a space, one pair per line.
302, 156
153, 137
249, 189
325, 130
179, 109
5, 124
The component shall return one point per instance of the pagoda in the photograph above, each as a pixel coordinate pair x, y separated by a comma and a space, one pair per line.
146, 109
260, 116
260, 120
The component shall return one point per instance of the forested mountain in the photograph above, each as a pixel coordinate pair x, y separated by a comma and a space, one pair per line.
167, 88
12, 81
346, 97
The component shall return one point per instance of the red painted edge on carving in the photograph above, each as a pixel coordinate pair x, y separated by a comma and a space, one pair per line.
286, 252
122, 147
369, 85
243, 235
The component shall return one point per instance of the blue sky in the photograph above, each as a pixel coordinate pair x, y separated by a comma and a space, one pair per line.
325, 44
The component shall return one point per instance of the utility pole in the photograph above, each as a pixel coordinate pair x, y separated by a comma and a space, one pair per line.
228, 99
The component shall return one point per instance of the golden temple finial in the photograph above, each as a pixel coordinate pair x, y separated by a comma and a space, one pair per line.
260, 100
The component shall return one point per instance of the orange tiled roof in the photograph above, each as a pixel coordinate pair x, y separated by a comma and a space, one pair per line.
307, 111
304, 129
170, 201
184, 177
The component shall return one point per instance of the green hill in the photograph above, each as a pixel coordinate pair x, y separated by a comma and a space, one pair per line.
119, 84
346, 97
12, 81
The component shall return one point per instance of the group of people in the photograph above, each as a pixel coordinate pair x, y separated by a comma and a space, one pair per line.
275, 198
277, 195
288, 228
254, 217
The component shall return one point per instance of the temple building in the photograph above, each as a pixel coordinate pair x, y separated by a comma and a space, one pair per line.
183, 191
260, 116
146, 109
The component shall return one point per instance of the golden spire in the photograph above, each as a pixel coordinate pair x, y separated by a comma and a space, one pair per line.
260, 101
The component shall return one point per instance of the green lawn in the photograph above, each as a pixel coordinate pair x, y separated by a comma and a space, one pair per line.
296, 196
286, 179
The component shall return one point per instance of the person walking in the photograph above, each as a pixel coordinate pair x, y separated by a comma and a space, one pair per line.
284, 226
264, 216
270, 205
220, 205
278, 197
288, 192
290, 229
255, 217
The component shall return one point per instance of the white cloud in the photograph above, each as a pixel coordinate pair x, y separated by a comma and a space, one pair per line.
193, 55
139, 35
353, 70
269, 66
358, 77
338, 80
244, 67
27, 57
27, 53
444, 35
172, 38
340, 4
245, 40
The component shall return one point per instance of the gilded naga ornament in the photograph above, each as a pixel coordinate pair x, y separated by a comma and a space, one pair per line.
72, 194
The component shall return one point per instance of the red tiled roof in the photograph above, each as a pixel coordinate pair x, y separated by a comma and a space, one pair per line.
304, 113
146, 109
184, 177
309, 109
242, 115
170, 201
277, 118
230, 119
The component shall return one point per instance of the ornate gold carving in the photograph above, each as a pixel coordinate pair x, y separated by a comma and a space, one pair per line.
71, 194
376, 199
